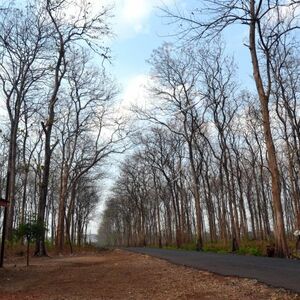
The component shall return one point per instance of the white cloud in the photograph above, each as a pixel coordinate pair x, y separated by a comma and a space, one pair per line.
287, 13
134, 11
132, 15
135, 93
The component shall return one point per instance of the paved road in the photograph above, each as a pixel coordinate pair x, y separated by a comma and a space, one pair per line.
276, 272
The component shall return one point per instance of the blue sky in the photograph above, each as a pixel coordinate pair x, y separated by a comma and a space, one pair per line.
140, 28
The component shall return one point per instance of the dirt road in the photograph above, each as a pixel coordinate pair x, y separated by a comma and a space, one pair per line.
123, 275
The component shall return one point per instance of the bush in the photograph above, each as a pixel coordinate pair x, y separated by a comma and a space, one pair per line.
250, 251
216, 247
32, 230
189, 247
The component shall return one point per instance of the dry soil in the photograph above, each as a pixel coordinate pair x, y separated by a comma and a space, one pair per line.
122, 275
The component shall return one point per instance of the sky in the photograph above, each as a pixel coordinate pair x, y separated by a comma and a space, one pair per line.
139, 28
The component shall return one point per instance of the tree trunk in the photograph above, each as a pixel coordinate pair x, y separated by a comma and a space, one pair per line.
11, 178
61, 211
279, 229
40, 249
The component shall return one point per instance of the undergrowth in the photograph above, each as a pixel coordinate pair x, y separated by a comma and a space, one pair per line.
246, 247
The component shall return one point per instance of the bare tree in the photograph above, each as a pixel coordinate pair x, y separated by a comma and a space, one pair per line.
268, 22
85, 28
22, 40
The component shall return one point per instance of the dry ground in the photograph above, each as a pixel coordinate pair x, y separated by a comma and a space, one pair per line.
122, 275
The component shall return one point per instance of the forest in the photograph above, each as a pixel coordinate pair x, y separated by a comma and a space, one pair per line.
217, 164
58, 120
204, 162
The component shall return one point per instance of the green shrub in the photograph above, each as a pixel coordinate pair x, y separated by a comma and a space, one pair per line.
189, 247
216, 247
32, 230
222, 251
250, 251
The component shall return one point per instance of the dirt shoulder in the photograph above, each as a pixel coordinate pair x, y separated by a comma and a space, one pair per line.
122, 275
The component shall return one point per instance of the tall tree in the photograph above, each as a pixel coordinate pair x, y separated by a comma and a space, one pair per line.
268, 22
86, 28
22, 40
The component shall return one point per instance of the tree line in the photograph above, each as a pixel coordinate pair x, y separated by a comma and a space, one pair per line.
58, 124
216, 163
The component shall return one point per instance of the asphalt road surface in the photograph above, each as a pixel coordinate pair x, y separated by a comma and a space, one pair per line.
277, 272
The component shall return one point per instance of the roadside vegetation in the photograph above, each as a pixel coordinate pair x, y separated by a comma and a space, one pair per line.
58, 127
216, 166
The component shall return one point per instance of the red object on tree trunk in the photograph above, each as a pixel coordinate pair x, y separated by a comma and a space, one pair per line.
4, 202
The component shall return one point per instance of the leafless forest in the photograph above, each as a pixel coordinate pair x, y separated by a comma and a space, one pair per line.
204, 161
218, 163
61, 127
